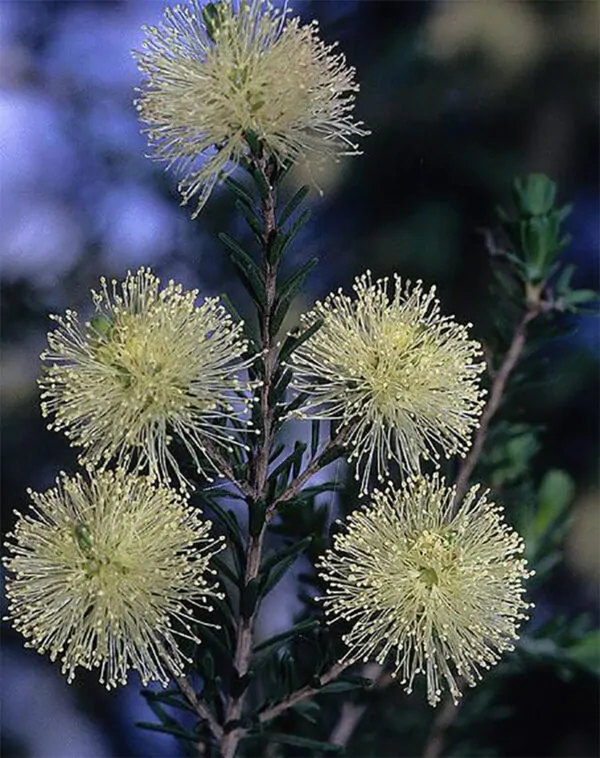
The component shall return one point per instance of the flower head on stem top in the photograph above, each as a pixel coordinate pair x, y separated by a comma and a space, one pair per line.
436, 589
400, 377
149, 366
220, 72
108, 573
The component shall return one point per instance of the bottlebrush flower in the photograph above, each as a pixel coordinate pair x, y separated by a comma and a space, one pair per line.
433, 587
218, 73
108, 574
149, 366
397, 374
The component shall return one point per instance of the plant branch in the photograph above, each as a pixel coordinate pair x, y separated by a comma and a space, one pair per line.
259, 466
302, 694
198, 705
315, 465
500, 379
447, 713
226, 470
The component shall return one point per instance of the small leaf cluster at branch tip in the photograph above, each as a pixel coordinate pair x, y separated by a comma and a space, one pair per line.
401, 377
149, 367
108, 571
536, 234
225, 81
431, 588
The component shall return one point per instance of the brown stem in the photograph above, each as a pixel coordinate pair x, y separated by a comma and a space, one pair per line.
315, 465
302, 694
199, 706
259, 466
500, 379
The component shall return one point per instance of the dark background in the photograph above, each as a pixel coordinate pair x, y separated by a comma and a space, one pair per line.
460, 97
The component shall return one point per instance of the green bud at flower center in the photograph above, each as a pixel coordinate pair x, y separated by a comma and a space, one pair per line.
428, 576
101, 325
83, 537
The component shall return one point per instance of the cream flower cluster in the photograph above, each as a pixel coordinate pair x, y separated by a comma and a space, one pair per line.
435, 585
217, 73
403, 378
430, 583
107, 571
150, 368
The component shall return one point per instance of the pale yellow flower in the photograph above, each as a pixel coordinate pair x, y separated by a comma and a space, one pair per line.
430, 586
401, 377
149, 367
109, 573
253, 71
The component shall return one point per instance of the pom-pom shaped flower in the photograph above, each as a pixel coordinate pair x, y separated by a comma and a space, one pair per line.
435, 587
149, 366
216, 74
108, 573
400, 377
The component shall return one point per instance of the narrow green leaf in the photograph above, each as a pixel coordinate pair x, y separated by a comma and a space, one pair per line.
317, 489
294, 341
293, 204
276, 452
305, 742
216, 640
314, 437
280, 387
229, 521
251, 219
334, 687
278, 640
226, 300
308, 710
226, 570
283, 241
346, 684
261, 183
563, 283
254, 143
296, 403
286, 463
555, 495
578, 297
281, 566
292, 284
288, 291
257, 517
291, 550
170, 698
299, 450
223, 606
239, 191
247, 268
